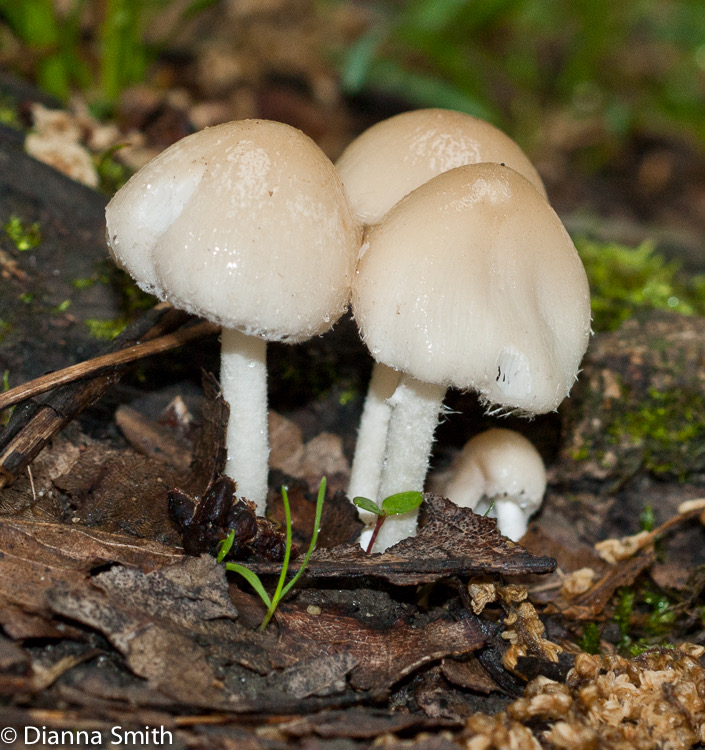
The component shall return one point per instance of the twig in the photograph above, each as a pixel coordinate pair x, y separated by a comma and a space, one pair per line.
95, 366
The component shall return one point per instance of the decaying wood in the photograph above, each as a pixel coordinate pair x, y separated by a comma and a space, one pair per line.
34, 423
105, 363
453, 542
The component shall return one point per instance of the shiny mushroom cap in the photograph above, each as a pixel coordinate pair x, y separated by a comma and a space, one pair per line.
246, 224
397, 155
472, 281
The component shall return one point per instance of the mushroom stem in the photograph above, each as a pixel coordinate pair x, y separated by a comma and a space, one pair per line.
415, 408
243, 380
512, 519
372, 436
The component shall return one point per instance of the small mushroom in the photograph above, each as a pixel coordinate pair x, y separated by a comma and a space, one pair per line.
246, 224
469, 281
382, 165
503, 467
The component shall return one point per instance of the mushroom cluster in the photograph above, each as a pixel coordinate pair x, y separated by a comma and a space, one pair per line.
465, 276
382, 165
468, 280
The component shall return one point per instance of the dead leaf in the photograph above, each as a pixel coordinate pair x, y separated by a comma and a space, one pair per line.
36, 557
384, 652
121, 491
469, 674
153, 620
153, 439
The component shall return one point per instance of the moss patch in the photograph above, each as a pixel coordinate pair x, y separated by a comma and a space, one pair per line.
639, 404
624, 280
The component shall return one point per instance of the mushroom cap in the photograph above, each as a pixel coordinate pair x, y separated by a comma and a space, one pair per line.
246, 224
472, 281
393, 157
498, 463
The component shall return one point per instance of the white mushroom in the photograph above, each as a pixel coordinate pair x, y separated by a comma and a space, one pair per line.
503, 467
380, 167
393, 157
248, 225
470, 281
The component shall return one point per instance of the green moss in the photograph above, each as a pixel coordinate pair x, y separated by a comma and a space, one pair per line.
581, 454
347, 396
623, 616
8, 113
105, 330
24, 236
86, 283
647, 520
624, 280
590, 639
4, 329
62, 307
665, 427
111, 173
645, 618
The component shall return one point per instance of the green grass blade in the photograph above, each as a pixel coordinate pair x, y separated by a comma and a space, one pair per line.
314, 536
285, 565
252, 579
225, 545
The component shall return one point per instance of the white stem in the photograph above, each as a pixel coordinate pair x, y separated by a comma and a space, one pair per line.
512, 520
415, 409
372, 436
243, 380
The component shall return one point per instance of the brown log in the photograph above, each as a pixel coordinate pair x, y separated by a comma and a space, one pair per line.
34, 423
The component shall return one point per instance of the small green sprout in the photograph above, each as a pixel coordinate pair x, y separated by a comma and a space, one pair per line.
253, 579
394, 505
25, 236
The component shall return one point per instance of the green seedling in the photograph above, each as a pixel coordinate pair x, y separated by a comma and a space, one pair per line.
394, 505
253, 579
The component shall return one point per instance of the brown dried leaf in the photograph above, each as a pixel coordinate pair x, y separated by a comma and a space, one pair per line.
121, 491
384, 652
153, 439
470, 675
36, 557
165, 623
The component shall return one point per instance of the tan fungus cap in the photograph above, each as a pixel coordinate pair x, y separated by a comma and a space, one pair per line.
395, 156
246, 224
472, 281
